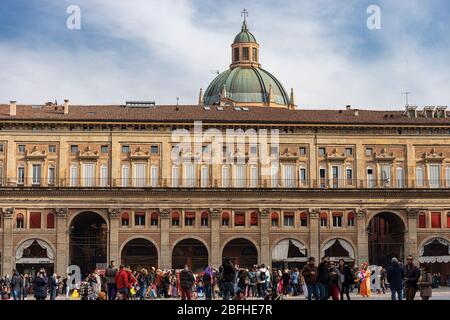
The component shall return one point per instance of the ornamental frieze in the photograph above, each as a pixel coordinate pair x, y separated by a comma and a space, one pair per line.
8, 213
114, 213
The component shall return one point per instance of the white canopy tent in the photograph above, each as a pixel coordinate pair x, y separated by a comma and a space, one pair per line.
345, 244
26, 244
281, 251
434, 259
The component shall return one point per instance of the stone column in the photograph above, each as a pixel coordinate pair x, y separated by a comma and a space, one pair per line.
165, 259
216, 256
264, 253
114, 226
314, 234
62, 250
411, 234
362, 254
7, 252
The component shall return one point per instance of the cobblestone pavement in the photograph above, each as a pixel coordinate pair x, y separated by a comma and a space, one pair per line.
438, 294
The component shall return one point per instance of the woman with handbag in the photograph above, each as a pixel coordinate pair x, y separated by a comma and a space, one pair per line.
425, 283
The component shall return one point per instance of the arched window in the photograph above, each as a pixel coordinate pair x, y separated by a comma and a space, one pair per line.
225, 219
125, 219
254, 219
50, 221
19, 221
323, 219
303, 219
204, 219
351, 219
154, 219
275, 219
422, 220
175, 219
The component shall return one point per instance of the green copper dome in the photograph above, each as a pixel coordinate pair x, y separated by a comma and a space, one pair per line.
247, 85
245, 35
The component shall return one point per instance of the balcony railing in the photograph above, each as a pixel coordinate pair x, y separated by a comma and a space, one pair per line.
223, 184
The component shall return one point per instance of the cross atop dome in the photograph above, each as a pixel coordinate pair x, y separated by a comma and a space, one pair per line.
244, 14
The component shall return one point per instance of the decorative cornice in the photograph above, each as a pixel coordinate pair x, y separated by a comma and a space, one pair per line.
384, 155
434, 156
8, 213
88, 154
138, 154
60, 212
336, 156
114, 213
35, 154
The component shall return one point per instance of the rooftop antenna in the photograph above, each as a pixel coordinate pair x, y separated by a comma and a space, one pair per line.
407, 97
178, 101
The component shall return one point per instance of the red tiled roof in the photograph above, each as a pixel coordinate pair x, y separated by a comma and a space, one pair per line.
188, 114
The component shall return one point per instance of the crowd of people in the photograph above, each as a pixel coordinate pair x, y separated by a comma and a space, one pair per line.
327, 280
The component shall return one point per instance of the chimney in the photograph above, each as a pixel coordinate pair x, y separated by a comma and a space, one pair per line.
349, 107
12, 108
356, 113
66, 106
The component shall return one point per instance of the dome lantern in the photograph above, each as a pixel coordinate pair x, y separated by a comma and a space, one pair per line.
245, 49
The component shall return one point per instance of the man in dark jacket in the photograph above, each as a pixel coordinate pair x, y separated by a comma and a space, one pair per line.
110, 274
228, 274
323, 278
16, 285
395, 277
412, 274
186, 282
309, 273
40, 285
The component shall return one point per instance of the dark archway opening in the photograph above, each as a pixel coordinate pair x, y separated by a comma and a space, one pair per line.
88, 242
242, 253
190, 252
140, 253
386, 234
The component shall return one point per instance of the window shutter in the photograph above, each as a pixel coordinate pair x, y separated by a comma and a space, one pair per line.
225, 177
73, 176
436, 220
104, 176
175, 177
155, 177
35, 220
125, 176
419, 176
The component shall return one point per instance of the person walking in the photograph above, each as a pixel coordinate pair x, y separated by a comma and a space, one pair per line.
261, 281
228, 273
323, 278
122, 283
110, 274
208, 282
309, 273
395, 275
186, 283
40, 285
286, 282
143, 282
53, 286
347, 279
412, 274
383, 279
295, 279
16, 285
335, 281
425, 283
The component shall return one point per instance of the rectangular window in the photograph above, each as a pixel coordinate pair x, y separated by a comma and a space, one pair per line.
125, 149
253, 150
51, 176
140, 176
302, 151
369, 152
400, 178
434, 176
422, 220
323, 177
1, 180
175, 177
74, 149
253, 177
289, 176
349, 176
88, 174
20, 175
189, 175
154, 149
205, 177
240, 176
370, 178
35, 220
155, 176
419, 177
274, 151
189, 219
447, 177
386, 175
73, 176
103, 176
348, 152
274, 176
36, 174
337, 219
21, 148
245, 53
236, 54
336, 172
321, 152
303, 177
239, 219
288, 219
125, 176
436, 220
139, 219
225, 177
104, 149
2, 148
52, 149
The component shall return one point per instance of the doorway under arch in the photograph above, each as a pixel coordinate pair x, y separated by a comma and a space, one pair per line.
191, 252
386, 234
88, 241
242, 253
139, 253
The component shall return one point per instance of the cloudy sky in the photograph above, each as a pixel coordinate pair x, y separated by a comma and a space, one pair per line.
163, 49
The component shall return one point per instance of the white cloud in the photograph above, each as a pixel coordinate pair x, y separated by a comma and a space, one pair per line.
308, 48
